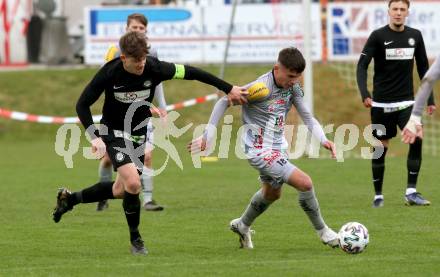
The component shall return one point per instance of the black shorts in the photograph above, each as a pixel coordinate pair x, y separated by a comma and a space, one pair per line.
390, 120
123, 151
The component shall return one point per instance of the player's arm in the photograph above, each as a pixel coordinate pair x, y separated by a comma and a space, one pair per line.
310, 121
362, 69
169, 71
423, 66
160, 96
425, 90
413, 127
203, 142
89, 96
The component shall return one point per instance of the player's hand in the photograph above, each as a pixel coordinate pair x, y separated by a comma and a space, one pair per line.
237, 96
162, 113
368, 103
409, 137
329, 145
197, 145
431, 109
98, 147
412, 130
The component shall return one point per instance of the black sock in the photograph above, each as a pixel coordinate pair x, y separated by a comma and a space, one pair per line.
378, 168
132, 209
414, 162
98, 192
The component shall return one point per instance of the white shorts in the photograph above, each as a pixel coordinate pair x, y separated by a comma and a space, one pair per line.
274, 167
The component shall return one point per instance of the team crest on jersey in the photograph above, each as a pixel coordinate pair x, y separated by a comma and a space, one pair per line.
119, 157
411, 41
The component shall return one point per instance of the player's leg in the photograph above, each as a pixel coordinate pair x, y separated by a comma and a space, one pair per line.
259, 203
149, 204
105, 171
389, 130
129, 177
414, 162
309, 203
378, 171
271, 182
66, 200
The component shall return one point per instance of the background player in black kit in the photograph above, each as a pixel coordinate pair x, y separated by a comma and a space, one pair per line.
393, 48
129, 82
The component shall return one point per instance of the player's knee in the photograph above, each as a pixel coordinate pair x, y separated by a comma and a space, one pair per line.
304, 183
133, 185
118, 190
272, 194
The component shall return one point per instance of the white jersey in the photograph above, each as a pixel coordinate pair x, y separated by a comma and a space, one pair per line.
265, 118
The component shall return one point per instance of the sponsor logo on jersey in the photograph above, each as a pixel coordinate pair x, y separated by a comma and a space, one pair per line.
387, 42
399, 54
131, 97
147, 84
271, 157
280, 102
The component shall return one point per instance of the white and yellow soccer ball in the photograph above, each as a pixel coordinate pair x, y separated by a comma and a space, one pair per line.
257, 92
353, 238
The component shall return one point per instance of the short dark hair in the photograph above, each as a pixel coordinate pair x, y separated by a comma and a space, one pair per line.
392, 1
134, 44
138, 17
292, 59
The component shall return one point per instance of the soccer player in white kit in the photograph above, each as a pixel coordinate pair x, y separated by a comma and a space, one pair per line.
413, 128
265, 145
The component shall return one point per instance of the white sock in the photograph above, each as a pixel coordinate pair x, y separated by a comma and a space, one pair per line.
105, 173
147, 187
380, 196
410, 190
244, 226
321, 231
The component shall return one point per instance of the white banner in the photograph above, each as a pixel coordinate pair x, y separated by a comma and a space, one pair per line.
14, 19
198, 34
350, 24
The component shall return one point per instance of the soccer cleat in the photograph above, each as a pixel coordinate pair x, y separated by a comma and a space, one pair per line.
243, 232
138, 247
153, 206
378, 203
416, 199
63, 205
102, 205
329, 237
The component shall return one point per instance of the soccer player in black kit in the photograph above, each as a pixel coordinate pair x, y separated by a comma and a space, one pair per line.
129, 83
393, 48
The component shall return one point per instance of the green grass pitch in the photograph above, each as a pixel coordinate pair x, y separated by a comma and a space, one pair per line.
191, 236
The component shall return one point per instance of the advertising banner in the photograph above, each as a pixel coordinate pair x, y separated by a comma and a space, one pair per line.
350, 24
198, 34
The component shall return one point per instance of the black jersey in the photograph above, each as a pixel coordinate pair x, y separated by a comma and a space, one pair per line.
393, 53
122, 89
